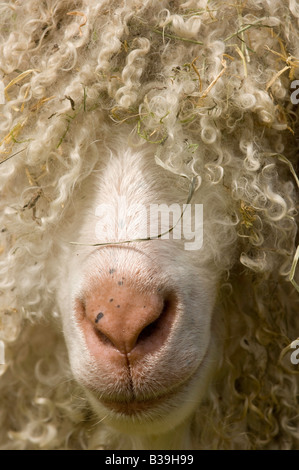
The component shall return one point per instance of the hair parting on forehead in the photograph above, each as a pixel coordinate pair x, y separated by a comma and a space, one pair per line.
208, 86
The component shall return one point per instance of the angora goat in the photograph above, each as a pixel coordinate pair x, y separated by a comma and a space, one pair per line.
114, 335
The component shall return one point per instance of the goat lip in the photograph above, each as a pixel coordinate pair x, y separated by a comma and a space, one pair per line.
135, 406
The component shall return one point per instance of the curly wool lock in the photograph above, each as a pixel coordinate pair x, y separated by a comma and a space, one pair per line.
207, 86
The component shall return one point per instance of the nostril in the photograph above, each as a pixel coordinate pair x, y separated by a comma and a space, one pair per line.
83, 317
103, 338
150, 330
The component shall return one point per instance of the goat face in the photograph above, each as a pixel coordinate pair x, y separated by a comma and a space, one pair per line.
136, 317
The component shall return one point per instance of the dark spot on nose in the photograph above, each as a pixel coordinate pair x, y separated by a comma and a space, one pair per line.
120, 283
111, 300
112, 270
99, 316
118, 306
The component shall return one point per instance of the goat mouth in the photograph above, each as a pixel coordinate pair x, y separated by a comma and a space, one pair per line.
135, 407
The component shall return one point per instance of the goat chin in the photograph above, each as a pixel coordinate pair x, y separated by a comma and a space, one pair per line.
161, 415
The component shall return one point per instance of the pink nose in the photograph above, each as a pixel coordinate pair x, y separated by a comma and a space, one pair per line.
125, 317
